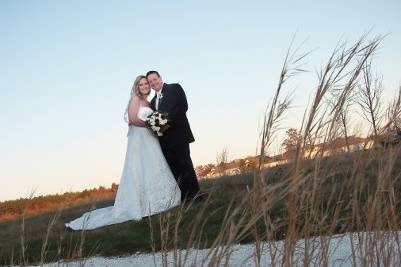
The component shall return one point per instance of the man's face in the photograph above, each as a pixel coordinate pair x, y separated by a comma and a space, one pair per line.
155, 82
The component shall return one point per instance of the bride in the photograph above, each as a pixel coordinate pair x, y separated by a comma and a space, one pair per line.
147, 185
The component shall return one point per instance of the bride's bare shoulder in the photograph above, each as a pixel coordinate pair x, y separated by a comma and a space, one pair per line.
136, 98
135, 102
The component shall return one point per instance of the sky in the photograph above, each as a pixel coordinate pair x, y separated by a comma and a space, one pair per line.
67, 68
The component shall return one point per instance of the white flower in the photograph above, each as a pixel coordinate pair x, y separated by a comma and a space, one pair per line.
152, 121
155, 128
163, 122
158, 122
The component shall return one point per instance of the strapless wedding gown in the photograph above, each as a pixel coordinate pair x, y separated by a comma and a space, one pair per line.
147, 185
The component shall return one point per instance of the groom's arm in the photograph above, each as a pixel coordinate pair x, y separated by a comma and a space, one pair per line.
179, 107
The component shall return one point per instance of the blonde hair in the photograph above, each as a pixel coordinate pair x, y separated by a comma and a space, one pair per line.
135, 91
135, 87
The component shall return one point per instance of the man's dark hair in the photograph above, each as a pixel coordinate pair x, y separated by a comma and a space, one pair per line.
152, 72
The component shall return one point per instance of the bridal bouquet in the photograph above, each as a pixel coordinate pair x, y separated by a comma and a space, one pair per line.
158, 122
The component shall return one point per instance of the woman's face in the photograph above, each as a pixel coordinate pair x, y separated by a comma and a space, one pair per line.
144, 88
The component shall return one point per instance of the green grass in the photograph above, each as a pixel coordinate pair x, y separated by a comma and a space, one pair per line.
119, 239
131, 237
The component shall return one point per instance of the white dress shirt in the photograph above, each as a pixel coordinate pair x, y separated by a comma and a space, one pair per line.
159, 95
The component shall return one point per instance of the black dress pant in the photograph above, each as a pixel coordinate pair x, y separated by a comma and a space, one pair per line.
179, 160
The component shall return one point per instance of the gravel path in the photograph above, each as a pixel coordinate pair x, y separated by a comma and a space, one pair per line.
338, 248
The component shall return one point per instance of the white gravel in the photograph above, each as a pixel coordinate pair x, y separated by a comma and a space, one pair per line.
337, 250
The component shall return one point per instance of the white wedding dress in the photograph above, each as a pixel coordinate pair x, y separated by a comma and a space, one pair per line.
147, 184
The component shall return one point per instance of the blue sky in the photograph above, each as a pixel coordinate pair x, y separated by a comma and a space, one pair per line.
67, 68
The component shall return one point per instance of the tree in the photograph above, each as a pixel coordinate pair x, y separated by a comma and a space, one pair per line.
221, 161
250, 165
203, 171
291, 142
369, 97
114, 187
242, 166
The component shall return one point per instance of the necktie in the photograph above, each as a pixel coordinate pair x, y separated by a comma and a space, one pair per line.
157, 100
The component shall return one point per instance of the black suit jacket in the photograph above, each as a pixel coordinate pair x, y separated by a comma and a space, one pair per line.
174, 103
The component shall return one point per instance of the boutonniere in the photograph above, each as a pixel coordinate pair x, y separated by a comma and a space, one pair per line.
161, 96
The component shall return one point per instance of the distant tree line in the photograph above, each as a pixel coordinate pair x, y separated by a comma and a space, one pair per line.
14, 209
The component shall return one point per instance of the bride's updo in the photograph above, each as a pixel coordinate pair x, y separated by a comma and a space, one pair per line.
135, 91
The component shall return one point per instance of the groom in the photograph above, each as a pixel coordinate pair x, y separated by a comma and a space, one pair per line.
171, 99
